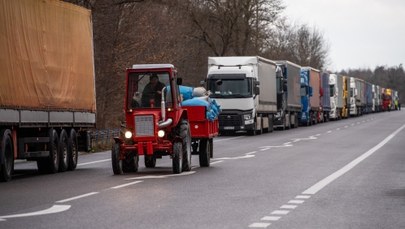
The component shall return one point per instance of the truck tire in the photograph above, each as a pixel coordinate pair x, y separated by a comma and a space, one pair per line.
177, 157
50, 164
73, 150
131, 163
6, 155
63, 151
204, 154
150, 161
116, 162
271, 123
185, 135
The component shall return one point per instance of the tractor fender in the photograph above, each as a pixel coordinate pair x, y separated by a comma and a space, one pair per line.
118, 140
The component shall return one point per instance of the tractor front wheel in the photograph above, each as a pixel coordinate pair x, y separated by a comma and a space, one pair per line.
115, 159
177, 160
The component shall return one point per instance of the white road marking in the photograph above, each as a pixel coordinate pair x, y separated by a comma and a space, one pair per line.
259, 225
271, 218
296, 201
329, 131
236, 158
337, 128
77, 197
253, 152
346, 126
161, 176
125, 185
280, 212
51, 210
216, 162
302, 197
288, 206
323, 183
93, 162
227, 139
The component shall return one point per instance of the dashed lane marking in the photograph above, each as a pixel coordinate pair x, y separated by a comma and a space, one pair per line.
302, 197
125, 185
296, 201
161, 176
280, 212
271, 218
288, 206
93, 162
259, 225
77, 197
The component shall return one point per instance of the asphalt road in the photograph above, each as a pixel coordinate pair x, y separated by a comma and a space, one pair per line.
342, 174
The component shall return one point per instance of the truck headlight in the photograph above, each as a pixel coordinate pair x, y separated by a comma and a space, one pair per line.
128, 134
161, 133
247, 116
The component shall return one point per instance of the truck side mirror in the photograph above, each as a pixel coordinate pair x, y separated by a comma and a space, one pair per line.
256, 89
285, 85
310, 91
179, 81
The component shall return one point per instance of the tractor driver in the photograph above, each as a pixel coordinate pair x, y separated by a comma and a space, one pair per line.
152, 93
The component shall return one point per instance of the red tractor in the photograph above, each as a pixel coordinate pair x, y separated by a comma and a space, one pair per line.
157, 125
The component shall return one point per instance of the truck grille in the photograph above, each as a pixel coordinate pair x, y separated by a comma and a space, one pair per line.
144, 125
229, 120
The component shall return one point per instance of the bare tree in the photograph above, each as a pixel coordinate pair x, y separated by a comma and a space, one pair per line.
236, 27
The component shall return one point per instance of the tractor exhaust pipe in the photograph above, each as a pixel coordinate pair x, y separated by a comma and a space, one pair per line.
164, 123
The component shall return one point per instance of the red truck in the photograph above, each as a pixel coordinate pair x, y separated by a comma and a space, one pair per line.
158, 125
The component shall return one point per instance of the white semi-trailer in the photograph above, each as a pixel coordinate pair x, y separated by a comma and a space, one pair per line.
245, 88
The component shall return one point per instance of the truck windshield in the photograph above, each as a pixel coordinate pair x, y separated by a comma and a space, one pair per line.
145, 89
230, 86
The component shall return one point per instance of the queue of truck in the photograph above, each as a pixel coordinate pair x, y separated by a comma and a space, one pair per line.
257, 95
48, 97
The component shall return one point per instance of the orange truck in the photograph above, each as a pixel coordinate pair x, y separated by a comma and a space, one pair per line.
47, 96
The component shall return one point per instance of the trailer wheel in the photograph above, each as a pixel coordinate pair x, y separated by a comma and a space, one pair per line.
131, 163
116, 162
150, 161
177, 157
50, 164
73, 150
185, 135
204, 154
63, 151
6, 155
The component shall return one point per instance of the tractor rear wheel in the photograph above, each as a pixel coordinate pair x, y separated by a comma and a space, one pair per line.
205, 153
185, 135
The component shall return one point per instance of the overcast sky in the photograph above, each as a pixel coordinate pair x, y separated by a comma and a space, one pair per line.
360, 33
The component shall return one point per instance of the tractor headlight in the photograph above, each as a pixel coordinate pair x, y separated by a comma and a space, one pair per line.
128, 134
161, 133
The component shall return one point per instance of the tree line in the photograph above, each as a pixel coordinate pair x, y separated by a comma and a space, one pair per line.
185, 33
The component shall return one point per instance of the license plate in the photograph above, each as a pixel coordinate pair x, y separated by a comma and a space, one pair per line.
229, 127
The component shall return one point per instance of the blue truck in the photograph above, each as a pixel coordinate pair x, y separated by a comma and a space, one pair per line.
310, 96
